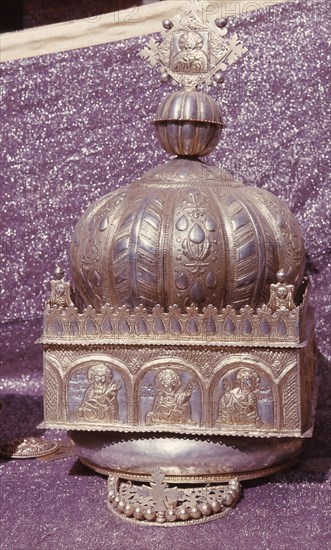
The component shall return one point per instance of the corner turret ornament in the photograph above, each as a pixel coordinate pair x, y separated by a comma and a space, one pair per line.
181, 358
60, 295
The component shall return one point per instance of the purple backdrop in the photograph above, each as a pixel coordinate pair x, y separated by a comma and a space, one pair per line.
76, 125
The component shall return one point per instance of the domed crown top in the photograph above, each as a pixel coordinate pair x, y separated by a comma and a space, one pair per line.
185, 232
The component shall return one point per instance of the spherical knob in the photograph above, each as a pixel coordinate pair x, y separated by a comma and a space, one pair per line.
171, 514
218, 78
164, 77
215, 506
221, 22
195, 513
183, 514
206, 509
59, 272
167, 24
128, 510
281, 276
188, 123
138, 512
150, 514
228, 499
121, 505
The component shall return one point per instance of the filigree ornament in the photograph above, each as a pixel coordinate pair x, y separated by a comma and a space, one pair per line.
159, 502
193, 51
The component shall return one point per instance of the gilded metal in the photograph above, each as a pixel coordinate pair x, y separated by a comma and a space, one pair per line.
28, 447
183, 352
193, 51
185, 233
205, 372
157, 502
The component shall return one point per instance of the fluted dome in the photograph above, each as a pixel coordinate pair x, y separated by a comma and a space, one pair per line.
185, 233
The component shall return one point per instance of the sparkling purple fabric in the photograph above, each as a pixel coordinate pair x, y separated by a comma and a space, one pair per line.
76, 125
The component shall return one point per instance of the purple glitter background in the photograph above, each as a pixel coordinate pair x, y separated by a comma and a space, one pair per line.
76, 125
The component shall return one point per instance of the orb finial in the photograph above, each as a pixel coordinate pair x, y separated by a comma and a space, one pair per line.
193, 53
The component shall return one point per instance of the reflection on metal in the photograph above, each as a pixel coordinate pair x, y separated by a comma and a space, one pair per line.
185, 234
187, 320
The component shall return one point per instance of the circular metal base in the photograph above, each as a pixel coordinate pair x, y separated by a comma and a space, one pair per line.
241, 476
179, 480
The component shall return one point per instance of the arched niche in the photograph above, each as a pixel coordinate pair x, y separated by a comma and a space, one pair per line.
168, 392
245, 396
90, 403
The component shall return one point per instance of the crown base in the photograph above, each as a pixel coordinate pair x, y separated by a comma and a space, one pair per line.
172, 481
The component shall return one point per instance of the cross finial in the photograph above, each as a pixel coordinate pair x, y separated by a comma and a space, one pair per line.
193, 51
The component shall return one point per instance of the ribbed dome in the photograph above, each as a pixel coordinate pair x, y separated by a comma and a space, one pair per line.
188, 123
185, 233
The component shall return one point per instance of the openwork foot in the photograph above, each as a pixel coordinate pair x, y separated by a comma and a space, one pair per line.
160, 503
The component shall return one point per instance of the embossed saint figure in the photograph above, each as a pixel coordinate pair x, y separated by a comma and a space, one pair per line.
190, 58
171, 405
60, 291
239, 405
281, 294
100, 399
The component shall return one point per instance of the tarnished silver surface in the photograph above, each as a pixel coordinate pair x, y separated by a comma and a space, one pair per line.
187, 456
